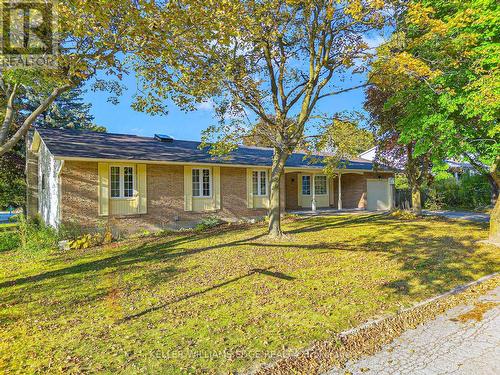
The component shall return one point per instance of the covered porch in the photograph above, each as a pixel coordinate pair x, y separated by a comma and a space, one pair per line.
348, 190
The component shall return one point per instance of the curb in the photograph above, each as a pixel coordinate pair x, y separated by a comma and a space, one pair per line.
369, 337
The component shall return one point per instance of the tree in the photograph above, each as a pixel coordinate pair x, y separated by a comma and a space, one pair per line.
12, 181
339, 140
267, 61
91, 37
390, 151
68, 111
442, 64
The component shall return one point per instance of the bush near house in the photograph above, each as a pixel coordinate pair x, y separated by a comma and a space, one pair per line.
470, 192
222, 300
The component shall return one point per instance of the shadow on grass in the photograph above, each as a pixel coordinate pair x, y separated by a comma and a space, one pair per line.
262, 271
142, 254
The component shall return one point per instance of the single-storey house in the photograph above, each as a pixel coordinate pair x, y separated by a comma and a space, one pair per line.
132, 182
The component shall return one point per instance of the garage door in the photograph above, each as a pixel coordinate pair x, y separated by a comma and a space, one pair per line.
378, 194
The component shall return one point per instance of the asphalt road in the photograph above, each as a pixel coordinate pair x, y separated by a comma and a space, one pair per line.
450, 344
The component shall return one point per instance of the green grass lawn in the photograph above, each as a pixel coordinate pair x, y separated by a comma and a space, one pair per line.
226, 300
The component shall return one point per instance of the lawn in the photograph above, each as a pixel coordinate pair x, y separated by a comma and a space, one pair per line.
225, 300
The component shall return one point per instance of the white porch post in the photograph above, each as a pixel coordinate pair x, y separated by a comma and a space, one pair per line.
340, 193
313, 203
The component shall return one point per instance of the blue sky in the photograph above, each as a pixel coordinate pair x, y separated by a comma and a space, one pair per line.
121, 118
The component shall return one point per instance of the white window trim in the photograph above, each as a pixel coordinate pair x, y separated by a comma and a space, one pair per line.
201, 196
326, 185
259, 179
302, 185
121, 180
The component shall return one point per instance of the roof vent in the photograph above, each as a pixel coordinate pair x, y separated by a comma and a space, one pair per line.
163, 138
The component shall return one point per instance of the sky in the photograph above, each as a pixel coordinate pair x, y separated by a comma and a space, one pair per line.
121, 118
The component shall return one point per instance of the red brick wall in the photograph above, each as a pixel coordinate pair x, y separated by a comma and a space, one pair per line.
165, 197
354, 188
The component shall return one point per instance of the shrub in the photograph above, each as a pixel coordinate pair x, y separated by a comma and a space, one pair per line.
403, 215
9, 240
35, 236
207, 223
470, 192
78, 239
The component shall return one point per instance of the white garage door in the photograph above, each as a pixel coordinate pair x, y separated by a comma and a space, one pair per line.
378, 194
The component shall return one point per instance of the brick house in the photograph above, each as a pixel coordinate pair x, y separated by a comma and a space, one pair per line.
137, 182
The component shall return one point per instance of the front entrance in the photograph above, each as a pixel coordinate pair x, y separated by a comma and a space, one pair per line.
302, 188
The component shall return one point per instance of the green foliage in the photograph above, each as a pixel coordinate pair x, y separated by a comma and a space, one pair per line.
68, 111
341, 140
35, 237
12, 180
9, 240
207, 223
470, 192
441, 68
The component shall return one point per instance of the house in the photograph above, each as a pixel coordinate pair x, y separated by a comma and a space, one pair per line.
133, 182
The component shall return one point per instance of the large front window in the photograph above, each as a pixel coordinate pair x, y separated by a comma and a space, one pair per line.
306, 185
320, 185
201, 182
259, 183
122, 182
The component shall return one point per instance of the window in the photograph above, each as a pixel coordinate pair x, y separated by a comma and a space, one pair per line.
306, 185
128, 182
43, 181
320, 185
201, 183
259, 179
122, 182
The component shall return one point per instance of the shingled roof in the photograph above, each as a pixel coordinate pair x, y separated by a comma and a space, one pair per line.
94, 145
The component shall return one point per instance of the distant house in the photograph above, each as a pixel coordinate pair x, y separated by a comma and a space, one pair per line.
454, 167
137, 182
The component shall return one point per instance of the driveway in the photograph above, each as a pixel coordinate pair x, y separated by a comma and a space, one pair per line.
460, 215
465, 340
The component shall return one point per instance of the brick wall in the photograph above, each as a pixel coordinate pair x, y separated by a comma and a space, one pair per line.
165, 198
354, 189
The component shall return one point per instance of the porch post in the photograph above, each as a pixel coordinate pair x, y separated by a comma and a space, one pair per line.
340, 193
313, 203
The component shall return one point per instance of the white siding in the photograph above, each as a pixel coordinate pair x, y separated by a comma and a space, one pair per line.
48, 195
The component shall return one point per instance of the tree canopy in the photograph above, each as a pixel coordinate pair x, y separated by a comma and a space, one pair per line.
441, 69
261, 62
91, 36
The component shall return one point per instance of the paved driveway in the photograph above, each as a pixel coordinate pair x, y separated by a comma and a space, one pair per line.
460, 215
450, 344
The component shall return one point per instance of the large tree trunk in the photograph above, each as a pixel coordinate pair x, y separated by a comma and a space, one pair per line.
495, 213
279, 159
416, 200
494, 189
495, 223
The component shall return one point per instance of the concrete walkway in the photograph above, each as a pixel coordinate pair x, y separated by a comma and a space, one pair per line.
450, 344
460, 215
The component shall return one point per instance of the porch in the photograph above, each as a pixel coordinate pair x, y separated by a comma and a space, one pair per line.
348, 190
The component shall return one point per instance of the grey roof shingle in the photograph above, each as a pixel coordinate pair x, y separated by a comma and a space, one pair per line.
86, 144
